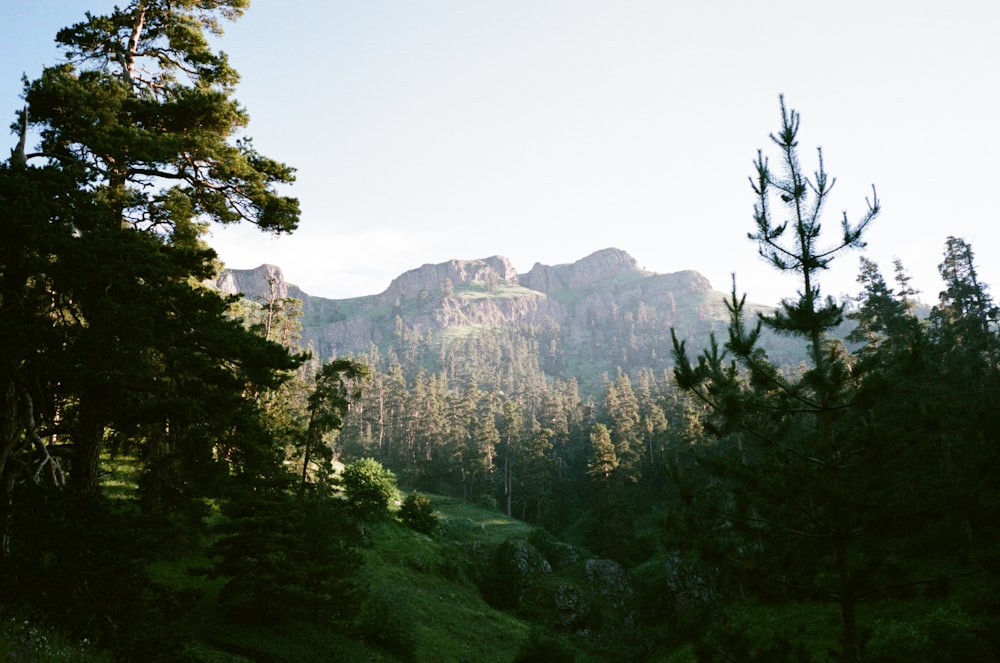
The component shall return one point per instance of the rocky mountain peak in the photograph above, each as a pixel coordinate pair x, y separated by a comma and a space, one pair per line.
254, 284
595, 267
429, 278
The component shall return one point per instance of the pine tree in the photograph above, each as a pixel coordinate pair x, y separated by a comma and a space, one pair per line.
338, 385
965, 316
140, 122
791, 449
115, 343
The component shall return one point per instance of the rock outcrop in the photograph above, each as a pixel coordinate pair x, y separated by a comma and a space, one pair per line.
429, 279
601, 312
255, 284
260, 284
593, 269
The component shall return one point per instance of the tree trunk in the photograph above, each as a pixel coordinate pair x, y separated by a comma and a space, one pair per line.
85, 474
10, 426
848, 605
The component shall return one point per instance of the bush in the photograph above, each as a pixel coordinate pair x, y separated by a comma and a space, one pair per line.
369, 487
417, 513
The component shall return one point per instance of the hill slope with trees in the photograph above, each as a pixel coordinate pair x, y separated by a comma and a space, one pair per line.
186, 476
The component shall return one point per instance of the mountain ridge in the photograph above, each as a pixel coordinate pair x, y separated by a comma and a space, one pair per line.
580, 319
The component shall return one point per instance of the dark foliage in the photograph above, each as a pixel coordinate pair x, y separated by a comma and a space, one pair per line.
417, 513
80, 565
286, 556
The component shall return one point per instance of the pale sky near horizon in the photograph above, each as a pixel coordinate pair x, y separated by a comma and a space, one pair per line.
545, 130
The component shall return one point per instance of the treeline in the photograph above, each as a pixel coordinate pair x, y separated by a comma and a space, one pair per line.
529, 448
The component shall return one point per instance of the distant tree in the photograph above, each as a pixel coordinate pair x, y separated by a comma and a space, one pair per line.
609, 528
458, 457
883, 315
369, 488
278, 318
654, 422
535, 475
626, 433
482, 447
965, 316
338, 384
511, 429
603, 461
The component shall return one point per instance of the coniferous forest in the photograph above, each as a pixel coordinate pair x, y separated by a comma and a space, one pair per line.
184, 478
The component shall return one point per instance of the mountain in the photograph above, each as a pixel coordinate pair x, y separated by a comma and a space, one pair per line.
593, 316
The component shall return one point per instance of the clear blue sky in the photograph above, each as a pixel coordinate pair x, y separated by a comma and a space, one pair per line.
544, 130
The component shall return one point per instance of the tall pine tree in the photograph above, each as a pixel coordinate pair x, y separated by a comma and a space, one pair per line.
793, 451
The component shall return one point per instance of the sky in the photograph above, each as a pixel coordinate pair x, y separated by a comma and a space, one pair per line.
544, 130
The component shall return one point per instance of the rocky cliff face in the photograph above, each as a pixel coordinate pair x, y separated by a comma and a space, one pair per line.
256, 284
602, 309
429, 279
593, 269
259, 284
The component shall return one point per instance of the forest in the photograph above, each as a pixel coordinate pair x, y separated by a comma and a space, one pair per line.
183, 480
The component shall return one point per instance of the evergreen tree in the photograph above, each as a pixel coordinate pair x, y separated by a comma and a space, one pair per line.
481, 447
960, 414
338, 384
111, 342
603, 461
511, 429
884, 316
286, 557
965, 316
138, 124
535, 475
623, 413
794, 453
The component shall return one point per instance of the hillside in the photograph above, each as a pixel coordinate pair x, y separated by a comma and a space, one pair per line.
579, 320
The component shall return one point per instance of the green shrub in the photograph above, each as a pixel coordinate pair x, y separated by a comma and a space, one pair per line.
487, 501
418, 514
369, 487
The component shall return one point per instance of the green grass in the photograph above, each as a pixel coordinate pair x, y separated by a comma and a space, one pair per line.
502, 290
423, 592
421, 601
20, 640
120, 479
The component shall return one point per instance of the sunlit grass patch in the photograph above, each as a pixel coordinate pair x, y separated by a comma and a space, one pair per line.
120, 477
